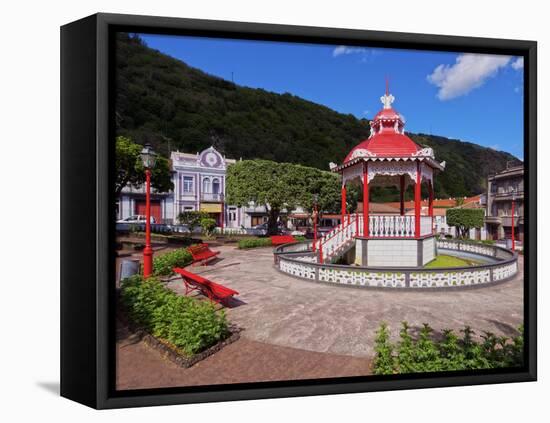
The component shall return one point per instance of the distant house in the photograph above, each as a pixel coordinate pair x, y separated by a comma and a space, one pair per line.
503, 188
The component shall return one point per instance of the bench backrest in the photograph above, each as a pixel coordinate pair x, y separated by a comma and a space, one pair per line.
197, 279
199, 248
282, 239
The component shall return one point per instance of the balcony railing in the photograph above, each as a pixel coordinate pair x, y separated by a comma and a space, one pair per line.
208, 196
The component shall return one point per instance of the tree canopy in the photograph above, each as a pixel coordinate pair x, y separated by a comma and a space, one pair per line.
465, 219
130, 169
279, 186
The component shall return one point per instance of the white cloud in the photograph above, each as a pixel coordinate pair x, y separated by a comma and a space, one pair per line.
495, 147
366, 112
469, 71
518, 63
341, 50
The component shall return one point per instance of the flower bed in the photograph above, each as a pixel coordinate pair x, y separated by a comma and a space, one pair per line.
188, 325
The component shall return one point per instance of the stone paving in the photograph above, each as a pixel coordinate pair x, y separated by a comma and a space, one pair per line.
274, 308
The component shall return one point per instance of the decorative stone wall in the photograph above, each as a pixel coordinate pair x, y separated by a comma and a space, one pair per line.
297, 261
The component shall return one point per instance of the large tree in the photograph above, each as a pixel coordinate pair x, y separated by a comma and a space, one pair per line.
130, 170
465, 219
279, 186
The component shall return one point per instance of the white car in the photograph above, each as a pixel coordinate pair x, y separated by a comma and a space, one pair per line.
138, 218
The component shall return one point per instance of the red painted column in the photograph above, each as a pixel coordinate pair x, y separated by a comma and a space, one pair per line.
417, 192
431, 199
343, 204
148, 250
366, 200
402, 194
431, 203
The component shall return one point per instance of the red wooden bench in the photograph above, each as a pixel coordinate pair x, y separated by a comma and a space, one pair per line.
282, 239
201, 253
214, 291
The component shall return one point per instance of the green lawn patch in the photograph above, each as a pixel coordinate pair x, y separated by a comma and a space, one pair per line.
449, 261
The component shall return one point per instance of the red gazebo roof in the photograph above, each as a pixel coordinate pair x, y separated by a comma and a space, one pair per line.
389, 144
387, 137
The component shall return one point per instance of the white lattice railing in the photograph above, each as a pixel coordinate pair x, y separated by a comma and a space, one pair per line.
380, 226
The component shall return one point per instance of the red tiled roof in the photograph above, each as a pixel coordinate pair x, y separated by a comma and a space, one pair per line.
443, 202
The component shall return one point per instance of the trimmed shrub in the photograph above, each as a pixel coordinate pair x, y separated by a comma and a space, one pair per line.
163, 264
187, 323
254, 243
427, 354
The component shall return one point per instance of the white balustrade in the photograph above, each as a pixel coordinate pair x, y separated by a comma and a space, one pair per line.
380, 226
426, 225
388, 226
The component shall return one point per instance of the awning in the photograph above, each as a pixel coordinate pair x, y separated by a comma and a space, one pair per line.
211, 207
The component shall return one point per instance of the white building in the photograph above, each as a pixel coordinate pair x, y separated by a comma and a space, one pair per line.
199, 185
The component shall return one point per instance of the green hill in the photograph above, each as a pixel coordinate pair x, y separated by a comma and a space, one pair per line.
171, 105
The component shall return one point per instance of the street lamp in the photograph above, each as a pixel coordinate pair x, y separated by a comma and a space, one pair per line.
148, 157
222, 199
315, 201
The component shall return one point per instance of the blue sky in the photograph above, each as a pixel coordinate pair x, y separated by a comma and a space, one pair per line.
476, 98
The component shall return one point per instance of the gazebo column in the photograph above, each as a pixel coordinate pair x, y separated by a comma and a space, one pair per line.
366, 200
343, 203
431, 201
417, 191
402, 195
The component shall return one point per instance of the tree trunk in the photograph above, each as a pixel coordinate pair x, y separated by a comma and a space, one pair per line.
272, 228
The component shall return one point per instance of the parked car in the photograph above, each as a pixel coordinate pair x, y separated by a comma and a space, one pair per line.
138, 218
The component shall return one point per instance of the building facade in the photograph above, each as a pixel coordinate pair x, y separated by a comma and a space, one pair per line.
199, 185
505, 190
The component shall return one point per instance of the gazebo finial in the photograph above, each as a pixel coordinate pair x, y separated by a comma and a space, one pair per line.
387, 99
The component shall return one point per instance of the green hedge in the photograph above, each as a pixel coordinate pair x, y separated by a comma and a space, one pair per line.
427, 354
163, 264
254, 243
187, 323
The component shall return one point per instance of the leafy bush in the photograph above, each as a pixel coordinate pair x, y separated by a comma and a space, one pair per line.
188, 324
427, 354
254, 243
208, 224
192, 218
163, 264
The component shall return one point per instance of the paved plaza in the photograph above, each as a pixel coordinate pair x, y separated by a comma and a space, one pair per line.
294, 327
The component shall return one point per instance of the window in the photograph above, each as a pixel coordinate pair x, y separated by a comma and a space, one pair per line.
215, 186
232, 214
187, 184
206, 185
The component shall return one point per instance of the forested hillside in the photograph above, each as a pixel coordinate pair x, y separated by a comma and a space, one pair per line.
171, 105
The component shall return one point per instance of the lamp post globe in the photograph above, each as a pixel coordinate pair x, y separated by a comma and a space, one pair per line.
148, 157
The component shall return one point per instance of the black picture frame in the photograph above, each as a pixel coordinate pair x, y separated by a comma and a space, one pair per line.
87, 255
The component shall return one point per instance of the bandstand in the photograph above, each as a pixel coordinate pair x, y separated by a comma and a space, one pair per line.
368, 250
387, 158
